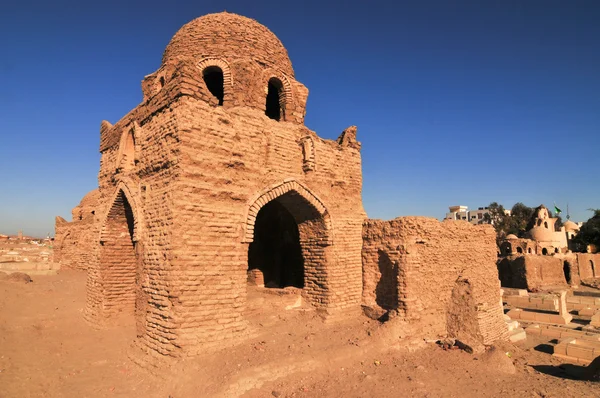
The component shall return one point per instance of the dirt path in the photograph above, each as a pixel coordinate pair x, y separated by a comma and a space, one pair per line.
47, 350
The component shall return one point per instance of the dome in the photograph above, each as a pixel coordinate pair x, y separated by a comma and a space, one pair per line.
570, 226
90, 199
511, 236
230, 37
541, 234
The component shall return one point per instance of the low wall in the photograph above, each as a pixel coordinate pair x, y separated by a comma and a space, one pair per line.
441, 277
532, 272
589, 265
75, 243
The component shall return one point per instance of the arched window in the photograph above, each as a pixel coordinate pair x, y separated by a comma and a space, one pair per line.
275, 106
556, 250
127, 151
546, 224
213, 78
529, 250
545, 251
519, 250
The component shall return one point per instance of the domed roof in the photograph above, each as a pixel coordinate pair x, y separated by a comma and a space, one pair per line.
570, 226
512, 236
542, 234
228, 36
90, 199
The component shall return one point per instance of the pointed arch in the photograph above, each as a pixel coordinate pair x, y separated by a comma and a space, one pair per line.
124, 187
126, 154
115, 283
278, 190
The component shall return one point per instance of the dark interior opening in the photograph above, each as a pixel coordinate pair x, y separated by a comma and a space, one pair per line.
276, 249
519, 250
213, 78
567, 271
128, 216
273, 106
545, 251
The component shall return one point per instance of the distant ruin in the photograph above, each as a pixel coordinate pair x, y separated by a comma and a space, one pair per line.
213, 182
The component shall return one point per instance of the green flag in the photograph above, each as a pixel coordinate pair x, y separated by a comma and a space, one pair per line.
557, 210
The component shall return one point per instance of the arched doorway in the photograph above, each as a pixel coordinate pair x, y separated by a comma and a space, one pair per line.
118, 280
275, 251
544, 251
288, 231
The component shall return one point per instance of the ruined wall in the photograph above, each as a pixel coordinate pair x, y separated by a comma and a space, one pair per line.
512, 272
533, 272
589, 265
444, 274
75, 241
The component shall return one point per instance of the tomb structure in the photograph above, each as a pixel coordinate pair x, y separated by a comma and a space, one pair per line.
214, 182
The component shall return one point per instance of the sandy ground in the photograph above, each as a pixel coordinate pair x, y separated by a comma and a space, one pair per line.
48, 350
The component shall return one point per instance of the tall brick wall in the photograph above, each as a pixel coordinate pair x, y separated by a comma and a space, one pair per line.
233, 163
441, 277
148, 188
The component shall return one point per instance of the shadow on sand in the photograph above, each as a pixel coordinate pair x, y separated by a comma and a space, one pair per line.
572, 372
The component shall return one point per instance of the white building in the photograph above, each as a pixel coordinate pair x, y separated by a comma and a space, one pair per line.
463, 213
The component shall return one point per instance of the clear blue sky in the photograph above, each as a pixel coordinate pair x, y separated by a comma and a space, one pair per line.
456, 102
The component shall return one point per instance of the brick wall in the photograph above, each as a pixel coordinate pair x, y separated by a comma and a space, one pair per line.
233, 162
538, 271
589, 265
441, 277
75, 241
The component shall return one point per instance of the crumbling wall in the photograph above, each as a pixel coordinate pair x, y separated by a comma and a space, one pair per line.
445, 276
589, 265
512, 272
75, 241
532, 272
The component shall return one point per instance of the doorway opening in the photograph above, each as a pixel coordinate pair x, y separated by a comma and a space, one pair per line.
567, 271
276, 252
118, 280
